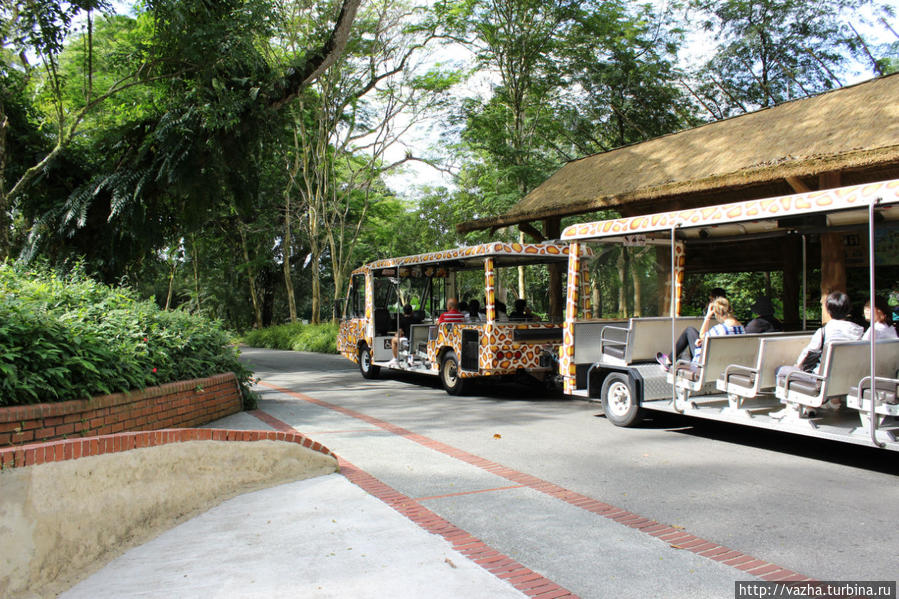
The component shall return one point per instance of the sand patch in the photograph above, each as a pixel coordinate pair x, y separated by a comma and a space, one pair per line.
62, 521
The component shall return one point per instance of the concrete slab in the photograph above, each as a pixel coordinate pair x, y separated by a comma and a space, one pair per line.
604, 558
319, 538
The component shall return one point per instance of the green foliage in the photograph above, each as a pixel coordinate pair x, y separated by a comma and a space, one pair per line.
66, 337
772, 51
320, 338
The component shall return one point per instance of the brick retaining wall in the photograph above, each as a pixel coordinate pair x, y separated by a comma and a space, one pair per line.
174, 405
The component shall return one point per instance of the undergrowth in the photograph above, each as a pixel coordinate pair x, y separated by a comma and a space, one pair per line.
66, 336
321, 338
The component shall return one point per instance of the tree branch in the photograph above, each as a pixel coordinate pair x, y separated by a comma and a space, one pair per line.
318, 61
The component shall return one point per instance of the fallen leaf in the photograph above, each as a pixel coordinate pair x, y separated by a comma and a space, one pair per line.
450, 562
497, 436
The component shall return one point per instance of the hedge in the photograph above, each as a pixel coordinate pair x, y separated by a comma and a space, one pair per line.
321, 338
66, 336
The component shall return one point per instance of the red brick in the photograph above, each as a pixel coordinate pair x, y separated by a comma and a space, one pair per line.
43, 433
751, 565
766, 569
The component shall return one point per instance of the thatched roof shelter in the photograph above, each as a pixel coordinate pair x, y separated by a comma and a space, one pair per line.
842, 137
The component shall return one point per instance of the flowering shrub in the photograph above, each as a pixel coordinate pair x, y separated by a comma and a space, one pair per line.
66, 337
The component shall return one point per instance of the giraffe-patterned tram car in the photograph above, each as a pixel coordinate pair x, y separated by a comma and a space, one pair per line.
487, 343
737, 377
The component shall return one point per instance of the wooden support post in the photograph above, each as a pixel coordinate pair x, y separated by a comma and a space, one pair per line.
552, 229
663, 265
792, 268
833, 254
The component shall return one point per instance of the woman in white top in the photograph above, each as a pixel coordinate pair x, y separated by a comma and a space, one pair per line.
881, 323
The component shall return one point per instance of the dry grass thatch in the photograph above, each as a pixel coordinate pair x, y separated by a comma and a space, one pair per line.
854, 128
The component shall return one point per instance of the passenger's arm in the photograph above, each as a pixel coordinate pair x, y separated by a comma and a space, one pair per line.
706, 323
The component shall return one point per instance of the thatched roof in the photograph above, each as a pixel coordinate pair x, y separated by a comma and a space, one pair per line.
853, 130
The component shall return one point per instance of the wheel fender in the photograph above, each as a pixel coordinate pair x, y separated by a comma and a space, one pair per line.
442, 352
597, 374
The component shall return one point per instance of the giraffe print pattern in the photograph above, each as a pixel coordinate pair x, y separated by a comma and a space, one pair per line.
498, 353
854, 196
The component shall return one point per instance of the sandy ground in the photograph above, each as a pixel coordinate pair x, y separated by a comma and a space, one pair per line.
62, 521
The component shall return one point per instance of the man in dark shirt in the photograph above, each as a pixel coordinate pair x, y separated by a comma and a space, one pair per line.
765, 322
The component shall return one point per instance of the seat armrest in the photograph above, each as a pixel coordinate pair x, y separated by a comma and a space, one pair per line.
795, 374
738, 369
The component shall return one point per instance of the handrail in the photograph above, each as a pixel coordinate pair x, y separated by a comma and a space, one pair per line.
861, 401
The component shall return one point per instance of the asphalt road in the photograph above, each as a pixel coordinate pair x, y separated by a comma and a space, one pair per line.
822, 509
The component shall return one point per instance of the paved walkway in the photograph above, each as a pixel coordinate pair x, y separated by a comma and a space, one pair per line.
322, 537
327, 537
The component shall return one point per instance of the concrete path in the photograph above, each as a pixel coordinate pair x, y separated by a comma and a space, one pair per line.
511, 486
322, 537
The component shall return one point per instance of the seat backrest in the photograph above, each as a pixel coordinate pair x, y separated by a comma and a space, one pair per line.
648, 336
418, 336
845, 363
720, 352
382, 321
777, 351
586, 340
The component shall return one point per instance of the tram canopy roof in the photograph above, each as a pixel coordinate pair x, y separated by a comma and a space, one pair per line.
503, 254
853, 131
841, 206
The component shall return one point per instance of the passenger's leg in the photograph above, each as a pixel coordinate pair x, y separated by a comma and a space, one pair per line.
685, 346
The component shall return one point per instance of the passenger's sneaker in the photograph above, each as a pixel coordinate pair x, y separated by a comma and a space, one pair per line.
393, 364
664, 360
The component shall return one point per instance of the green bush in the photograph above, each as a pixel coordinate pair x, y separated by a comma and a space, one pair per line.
66, 337
321, 338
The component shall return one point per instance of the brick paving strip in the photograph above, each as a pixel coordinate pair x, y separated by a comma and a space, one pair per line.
675, 537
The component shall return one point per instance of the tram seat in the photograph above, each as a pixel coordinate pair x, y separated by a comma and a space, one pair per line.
382, 321
717, 354
747, 381
587, 336
886, 405
843, 365
640, 340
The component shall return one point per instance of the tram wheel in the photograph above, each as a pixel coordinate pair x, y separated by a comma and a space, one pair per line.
368, 370
619, 401
449, 374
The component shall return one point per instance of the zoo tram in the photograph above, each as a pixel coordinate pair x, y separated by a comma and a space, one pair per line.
614, 360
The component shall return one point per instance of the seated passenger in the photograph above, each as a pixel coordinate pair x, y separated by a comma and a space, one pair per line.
474, 311
765, 322
522, 312
689, 344
837, 327
882, 323
403, 329
452, 313
501, 315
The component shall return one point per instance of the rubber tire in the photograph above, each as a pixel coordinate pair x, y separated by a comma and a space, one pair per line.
368, 370
454, 385
619, 402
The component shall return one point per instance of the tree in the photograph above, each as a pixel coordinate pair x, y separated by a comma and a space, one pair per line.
772, 51
206, 56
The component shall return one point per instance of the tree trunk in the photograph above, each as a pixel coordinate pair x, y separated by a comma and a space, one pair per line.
196, 261
286, 249
596, 297
521, 279
316, 292
251, 277
168, 297
4, 220
622, 282
638, 295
